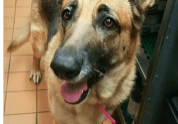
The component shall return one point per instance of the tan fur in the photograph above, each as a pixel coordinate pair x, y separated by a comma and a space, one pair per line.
39, 39
116, 84
65, 2
36, 27
19, 40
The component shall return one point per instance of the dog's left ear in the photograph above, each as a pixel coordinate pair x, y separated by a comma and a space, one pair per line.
145, 4
139, 8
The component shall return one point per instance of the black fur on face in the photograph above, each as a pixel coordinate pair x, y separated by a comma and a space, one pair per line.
103, 14
51, 11
70, 10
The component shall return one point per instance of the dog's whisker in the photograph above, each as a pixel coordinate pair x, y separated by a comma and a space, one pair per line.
101, 74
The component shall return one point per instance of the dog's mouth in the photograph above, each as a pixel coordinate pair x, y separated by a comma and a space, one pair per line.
79, 69
74, 93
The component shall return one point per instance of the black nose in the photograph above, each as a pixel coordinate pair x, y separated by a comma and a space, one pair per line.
67, 64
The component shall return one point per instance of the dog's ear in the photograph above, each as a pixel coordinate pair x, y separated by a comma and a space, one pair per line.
139, 8
145, 4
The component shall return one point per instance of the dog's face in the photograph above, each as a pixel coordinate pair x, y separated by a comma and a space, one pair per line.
96, 38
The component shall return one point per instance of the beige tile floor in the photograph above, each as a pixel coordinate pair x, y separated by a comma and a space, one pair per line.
24, 101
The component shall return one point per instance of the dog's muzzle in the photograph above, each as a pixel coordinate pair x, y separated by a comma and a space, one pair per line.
72, 66
69, 64
77, 69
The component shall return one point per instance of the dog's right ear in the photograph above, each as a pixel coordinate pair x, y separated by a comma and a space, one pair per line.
139, 8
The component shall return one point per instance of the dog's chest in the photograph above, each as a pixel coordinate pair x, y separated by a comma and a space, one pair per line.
77, 114
87, 114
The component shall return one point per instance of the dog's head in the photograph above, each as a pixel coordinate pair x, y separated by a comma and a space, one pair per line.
95, 46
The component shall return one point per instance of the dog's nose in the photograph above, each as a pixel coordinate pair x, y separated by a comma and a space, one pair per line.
67, 64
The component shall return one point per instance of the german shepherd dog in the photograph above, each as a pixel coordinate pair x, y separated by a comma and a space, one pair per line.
90, 48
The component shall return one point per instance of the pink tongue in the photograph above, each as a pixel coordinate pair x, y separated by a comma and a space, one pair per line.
72, 96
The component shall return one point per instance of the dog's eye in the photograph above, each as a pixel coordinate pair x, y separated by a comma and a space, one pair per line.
109, 22
67, 15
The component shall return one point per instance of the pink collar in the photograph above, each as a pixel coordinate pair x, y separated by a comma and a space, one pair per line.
107, 115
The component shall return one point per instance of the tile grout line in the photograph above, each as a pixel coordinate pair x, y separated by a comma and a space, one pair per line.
9, 71
27, 113
10, 56
20, 114
14, 55
23, 71
25, 91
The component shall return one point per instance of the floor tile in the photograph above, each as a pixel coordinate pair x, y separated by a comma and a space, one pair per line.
45, 118
20, 102
42, 103
3, 102
6, 44
23, 11
5, 81
9, 3
42, 85
25, 49
23, 2
20, 82
4, 97
21, 63
8, 34
8, 22
9, 11
20, 119
20, 22
6, 63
